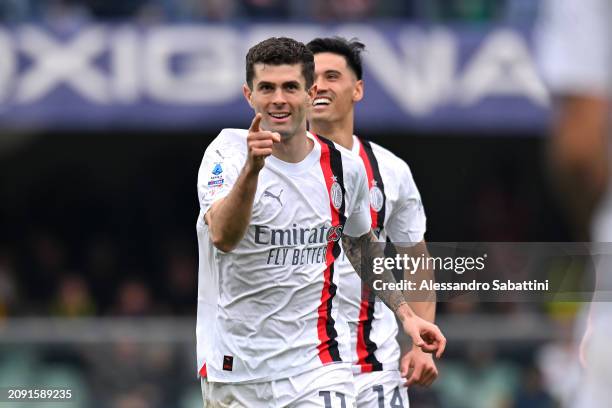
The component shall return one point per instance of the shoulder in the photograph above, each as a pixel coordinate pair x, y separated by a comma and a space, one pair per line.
230, 141
228, 147
232, 136
387, 160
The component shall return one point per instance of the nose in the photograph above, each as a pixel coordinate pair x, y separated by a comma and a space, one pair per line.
320, 83
279, 97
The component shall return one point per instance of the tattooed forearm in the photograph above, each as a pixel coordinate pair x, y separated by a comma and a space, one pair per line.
362, 260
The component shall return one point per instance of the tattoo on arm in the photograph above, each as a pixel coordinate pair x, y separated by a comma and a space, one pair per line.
362, 257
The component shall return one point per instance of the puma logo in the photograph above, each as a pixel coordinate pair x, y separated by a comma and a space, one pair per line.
276, 197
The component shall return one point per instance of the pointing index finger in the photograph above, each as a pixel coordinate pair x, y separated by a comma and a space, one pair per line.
255, 124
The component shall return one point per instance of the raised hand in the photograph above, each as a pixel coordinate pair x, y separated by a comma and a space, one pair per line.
259, 144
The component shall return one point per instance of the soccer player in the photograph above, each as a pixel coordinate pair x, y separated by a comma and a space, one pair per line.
575, 51
275, 201
397, 214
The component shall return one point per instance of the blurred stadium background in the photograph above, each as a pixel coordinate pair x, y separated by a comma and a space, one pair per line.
106, 108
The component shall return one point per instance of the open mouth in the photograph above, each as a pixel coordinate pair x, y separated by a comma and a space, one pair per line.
321, 101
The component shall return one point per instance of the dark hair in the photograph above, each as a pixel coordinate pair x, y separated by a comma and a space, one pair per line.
349, 49
280, 51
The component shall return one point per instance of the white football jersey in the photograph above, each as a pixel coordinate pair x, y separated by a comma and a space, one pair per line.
267, 309
397, 214
574, 46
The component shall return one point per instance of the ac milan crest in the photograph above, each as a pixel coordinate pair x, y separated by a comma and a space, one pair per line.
377, 199
336, 195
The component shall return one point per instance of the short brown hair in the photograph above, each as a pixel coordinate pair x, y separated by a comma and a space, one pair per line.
280, 51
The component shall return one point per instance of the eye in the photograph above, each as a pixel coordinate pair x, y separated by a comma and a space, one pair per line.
265, 87
332, 76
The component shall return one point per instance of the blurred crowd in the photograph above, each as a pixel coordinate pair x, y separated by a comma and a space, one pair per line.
45, 275
52, 281
516, 11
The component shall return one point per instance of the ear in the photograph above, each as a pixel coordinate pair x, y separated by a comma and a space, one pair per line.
312, 92
246, 91
358, 92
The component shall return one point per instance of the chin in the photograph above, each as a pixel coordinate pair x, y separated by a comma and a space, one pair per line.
275, 128
287, 133
326, 116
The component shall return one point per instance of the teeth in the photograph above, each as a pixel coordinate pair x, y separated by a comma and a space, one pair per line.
279, 115
321, 101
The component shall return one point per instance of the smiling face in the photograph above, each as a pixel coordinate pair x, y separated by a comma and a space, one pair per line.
279, 93
337, 88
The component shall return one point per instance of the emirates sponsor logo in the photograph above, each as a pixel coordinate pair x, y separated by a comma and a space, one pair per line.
297, 235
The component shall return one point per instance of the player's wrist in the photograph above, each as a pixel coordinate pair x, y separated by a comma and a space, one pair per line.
251, 169
418, 350
403, 311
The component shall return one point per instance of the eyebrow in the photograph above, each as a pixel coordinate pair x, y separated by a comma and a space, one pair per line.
296, 83
266, 83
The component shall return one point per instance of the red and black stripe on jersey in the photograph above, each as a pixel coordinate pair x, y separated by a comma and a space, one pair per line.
331, 165
374, 179
366, 359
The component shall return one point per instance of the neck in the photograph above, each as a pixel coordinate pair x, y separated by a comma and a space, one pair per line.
340, 131
293, 149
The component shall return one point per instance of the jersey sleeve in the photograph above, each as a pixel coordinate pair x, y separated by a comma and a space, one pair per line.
220, 168
358, 221
574, 46
407, 223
